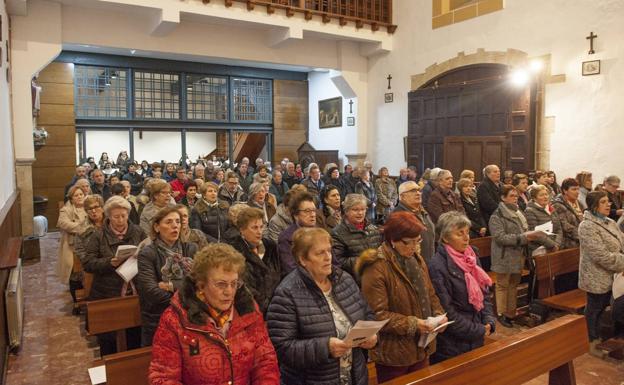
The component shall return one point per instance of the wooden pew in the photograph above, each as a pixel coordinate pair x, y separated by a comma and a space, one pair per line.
550, 347
551, 265
114, 315
484, 244
129, 367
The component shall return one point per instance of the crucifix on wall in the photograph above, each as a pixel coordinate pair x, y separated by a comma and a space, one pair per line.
389, 81
351, 106
591, 38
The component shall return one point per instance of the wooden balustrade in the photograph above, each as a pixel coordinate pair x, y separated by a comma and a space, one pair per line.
376, 13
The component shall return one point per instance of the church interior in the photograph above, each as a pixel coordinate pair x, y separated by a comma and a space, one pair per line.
420, 84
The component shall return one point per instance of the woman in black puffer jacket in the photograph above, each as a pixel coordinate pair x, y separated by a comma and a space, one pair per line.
311, 312
208, 214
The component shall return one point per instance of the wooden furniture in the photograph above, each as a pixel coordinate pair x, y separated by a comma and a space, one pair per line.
547, 268
550, 347
114, 315
129, 367
308, 154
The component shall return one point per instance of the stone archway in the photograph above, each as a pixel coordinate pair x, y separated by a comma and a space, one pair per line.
514, 59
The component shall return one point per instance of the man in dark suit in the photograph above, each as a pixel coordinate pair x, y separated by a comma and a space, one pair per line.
488, 193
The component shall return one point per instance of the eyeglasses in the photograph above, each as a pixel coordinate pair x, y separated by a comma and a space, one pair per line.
308, 211
223, 285
93, 208
411, 241
412, 191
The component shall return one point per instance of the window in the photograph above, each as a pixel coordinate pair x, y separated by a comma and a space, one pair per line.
252, 100
156, 95
206, 97
100, 92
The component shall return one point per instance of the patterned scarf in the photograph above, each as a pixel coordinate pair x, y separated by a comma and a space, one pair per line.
477, 280
220, 317
176, 266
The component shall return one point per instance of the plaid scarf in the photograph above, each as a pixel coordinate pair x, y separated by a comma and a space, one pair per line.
176, 264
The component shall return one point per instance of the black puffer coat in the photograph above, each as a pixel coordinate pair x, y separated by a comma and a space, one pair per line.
153, 299
348, 243
99, 251
212, 220
300, 325
261, 276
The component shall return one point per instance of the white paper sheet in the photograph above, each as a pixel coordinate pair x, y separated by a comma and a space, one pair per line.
363, 330
126, 251
546, 227
436, 323
97, 375
128, 269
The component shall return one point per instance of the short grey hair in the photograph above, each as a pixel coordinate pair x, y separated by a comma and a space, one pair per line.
255, 188
116, 202
352, 200
612, 179
487, 169
449, 222
433, 174
442, 174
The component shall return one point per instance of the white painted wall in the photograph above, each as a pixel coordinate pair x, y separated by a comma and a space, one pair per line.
344, 138
111, 142
588, 110
200, 143
7, 164
158, 145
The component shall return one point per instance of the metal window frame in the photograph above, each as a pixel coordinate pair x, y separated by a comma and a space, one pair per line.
77, 98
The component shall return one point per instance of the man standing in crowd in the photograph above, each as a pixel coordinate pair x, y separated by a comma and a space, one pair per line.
430, 185
488, 192
314, 184
611, 186
177, 186
245, 179
99, 186
290, 177
231, 192
200, 171
410, 200
81, 172
136, 182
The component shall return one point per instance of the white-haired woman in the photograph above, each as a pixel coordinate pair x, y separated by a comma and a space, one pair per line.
258, 199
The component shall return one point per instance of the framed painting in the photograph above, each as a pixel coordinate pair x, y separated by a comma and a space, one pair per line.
330, 112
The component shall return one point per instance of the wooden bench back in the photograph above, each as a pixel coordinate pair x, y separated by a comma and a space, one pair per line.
551, 265
550, 347
484, 244
129, 367
113, 314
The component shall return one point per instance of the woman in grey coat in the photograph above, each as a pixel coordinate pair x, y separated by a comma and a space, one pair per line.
510, 237
602, 255
538, 213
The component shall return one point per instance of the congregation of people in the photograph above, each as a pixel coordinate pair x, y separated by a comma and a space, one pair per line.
252, 274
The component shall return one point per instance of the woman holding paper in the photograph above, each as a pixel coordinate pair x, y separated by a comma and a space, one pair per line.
396, 285
101, 259
539, 213
163, 264
311, 313
462, 286
160, 197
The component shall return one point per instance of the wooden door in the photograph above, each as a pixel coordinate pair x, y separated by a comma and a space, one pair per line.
472, 152
472, 101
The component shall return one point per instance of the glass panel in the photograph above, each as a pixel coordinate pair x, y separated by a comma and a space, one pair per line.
206, 97
156, 95
156, 146
111, 142
100, 92
252, 100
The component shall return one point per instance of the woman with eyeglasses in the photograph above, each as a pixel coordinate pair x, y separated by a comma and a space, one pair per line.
462, 287
100, 259
160, 197
213, 332
163, 264
262, 270
354, 234
396, 285
311, 313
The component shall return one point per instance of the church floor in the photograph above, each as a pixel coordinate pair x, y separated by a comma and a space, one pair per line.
56, 352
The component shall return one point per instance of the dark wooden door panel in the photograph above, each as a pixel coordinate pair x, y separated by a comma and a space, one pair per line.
473, 153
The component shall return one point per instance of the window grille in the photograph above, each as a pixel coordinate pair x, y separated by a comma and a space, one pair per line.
100, 92
206, 97
252, 100
156, 95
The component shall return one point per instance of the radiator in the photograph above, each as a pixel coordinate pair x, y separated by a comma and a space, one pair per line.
14, 300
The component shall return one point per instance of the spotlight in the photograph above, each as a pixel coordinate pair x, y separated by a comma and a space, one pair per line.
536, 65
519, 77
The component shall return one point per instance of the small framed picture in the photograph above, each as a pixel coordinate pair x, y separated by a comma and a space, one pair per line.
591, 67
351, 121
389, 97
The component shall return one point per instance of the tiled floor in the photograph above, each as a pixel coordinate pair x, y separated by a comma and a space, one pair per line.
56, 352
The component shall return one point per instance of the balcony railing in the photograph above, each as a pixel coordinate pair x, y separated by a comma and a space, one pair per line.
376, 13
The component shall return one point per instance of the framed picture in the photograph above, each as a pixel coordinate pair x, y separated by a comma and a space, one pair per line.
389, 97
330, 112
591, 67
351, 121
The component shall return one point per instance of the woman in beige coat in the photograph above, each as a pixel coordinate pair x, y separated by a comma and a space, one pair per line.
72, 222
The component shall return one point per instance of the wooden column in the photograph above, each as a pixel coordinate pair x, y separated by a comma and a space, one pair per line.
290, 118
56, 161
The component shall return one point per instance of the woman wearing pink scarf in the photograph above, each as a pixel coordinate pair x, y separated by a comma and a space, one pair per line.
462, 287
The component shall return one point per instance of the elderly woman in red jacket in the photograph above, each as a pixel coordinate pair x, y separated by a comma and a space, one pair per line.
213, 332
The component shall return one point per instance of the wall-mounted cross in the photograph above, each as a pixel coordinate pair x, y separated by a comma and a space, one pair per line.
591, 38
389, 80
351, 106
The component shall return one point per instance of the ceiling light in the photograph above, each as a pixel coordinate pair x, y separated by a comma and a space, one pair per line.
519, 77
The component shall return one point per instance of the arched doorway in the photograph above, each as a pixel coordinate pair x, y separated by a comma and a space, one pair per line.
471, 116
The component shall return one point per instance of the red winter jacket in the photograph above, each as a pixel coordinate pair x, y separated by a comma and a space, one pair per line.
178, 185
191, 354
